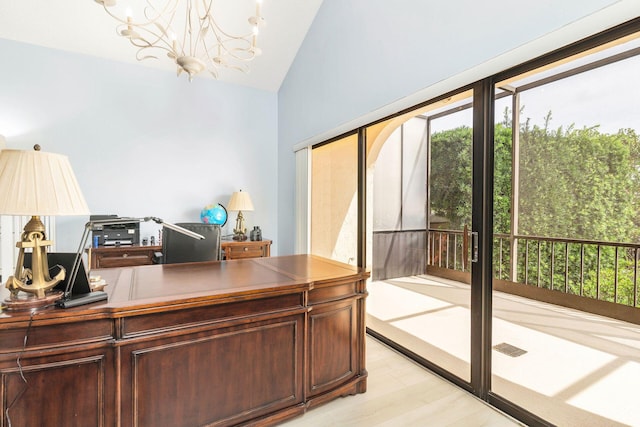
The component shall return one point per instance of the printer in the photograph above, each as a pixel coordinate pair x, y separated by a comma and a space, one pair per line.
115, 234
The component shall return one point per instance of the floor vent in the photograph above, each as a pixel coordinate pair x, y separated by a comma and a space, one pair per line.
509, 349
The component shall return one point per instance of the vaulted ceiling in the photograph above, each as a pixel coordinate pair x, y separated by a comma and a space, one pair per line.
82, 26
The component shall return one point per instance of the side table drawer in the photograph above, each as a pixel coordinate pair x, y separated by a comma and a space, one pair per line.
246, 249
123, 260
244, 252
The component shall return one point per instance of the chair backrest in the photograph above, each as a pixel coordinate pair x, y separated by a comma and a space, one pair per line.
178, 248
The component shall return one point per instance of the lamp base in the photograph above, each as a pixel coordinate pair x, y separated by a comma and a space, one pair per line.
240, 237
26, 301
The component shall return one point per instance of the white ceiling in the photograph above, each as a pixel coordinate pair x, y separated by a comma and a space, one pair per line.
82, 26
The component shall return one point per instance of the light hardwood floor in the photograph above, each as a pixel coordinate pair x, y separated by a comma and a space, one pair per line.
402, 394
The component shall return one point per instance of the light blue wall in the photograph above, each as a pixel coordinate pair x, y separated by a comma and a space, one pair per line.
142, 142
365, 59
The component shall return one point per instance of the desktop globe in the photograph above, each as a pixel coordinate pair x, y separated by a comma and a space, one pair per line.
214, 214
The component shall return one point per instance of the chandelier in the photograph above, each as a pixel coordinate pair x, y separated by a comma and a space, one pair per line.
187, 32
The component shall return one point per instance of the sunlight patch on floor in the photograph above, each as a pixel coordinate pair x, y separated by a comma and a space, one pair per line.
634, 343
421, 281
622, 405
388, 302
446, 329
565, 362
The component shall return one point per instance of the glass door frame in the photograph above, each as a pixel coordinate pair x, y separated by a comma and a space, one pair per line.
482, 219
482, 224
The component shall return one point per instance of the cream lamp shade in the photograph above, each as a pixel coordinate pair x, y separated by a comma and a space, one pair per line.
37, 184
240, 201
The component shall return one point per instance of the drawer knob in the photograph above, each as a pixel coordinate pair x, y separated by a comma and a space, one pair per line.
246, 249
125, 255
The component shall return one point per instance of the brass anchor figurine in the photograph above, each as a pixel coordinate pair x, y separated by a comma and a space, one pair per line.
33, 237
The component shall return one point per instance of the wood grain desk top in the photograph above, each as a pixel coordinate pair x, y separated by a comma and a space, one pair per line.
155, 287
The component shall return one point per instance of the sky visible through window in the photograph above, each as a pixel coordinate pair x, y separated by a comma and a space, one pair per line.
607, 97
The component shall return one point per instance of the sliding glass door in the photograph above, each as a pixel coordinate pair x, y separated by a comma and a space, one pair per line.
500, 225
566, 203
419, 193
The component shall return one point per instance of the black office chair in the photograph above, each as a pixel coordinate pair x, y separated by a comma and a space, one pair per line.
179, 248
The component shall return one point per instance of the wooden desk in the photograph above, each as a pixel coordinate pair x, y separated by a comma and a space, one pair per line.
217, 343
122, 256
233, 249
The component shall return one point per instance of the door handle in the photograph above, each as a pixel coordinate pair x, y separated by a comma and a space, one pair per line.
474, 246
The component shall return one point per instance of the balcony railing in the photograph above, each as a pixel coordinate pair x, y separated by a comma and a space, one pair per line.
603, 271
449, 249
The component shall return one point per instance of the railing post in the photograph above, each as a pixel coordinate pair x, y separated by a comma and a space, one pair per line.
515, 187
598, 274
539, 260
615, 277
582, 269
552, 265
635, 277
566, 267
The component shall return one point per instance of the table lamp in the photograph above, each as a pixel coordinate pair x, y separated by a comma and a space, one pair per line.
240, 201
38, 184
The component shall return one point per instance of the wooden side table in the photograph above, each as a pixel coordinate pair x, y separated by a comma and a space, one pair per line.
233, 249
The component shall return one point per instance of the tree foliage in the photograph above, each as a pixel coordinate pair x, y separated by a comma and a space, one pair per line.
573, 184
578, 183
450, 179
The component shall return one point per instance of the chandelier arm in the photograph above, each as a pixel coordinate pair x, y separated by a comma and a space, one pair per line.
140, 57
223, 43
219, 29
161, 26
246, 55
139, 40
128, 19
193, 40
224, 38
204, 26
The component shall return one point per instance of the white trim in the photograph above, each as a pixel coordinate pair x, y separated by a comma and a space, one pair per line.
303, 201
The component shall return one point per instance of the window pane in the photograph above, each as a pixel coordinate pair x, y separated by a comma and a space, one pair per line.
387, 185
414, 174
334, 201
450, 186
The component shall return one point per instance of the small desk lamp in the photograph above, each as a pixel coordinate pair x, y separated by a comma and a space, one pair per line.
240, 201
38, 184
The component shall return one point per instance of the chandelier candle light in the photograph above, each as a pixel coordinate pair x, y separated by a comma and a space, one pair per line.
187, 32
